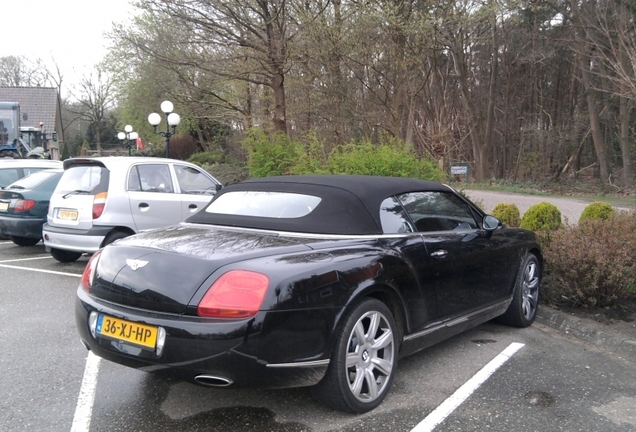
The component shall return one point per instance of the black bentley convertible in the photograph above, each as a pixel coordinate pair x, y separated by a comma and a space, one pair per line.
320, 281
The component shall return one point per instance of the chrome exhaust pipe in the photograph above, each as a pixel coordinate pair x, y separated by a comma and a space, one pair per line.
213, 381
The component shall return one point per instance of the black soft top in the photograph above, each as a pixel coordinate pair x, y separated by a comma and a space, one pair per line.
349, 204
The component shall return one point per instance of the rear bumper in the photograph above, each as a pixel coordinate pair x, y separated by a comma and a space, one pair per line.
85, 241
258, 352
21, 227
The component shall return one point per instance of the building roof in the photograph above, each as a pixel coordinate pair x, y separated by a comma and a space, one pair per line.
37, 104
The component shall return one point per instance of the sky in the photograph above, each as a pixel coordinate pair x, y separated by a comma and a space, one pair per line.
71, 32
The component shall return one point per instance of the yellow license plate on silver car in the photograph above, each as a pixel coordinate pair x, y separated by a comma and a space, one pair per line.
67, 214
127, 331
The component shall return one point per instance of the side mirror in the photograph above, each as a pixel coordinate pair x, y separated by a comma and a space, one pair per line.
219, 187
491, 223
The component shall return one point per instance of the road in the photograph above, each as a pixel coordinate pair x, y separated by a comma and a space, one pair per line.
571, 208
553, 381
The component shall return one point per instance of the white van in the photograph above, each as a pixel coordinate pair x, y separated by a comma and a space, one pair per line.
99, 200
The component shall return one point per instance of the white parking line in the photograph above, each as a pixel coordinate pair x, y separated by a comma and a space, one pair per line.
456, 399
84, 409
41, 270
27, 259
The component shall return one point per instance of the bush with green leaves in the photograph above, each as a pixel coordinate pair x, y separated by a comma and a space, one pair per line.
207, 158
271, 157
507, 213
543, 216
592, 264
279, 155
597, 210
392, 158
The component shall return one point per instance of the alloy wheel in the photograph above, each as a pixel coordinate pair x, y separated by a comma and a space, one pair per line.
370, 356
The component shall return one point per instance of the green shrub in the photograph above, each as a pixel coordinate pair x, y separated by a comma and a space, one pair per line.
266, 157
279, 155
207, 158
592, 264
597, 210
543, 216
507, 213
392, 159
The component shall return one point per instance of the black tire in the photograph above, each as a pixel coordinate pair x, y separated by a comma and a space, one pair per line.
24, 241
65, 256
346, 385
525, 299
114, 235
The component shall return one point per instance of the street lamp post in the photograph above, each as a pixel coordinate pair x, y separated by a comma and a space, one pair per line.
172, 120
128, 137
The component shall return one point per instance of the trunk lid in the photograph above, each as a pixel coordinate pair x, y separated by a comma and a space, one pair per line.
161, 270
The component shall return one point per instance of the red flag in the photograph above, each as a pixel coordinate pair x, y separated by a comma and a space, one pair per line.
140, 144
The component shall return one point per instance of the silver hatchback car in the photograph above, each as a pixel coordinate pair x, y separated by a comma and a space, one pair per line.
99, 200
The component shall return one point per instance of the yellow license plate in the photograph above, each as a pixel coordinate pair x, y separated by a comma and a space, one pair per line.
4, 206
67, 214
127, 331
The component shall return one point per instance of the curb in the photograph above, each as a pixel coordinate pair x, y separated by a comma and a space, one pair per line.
590, 331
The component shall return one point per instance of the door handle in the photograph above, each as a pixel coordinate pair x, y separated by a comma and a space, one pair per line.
144, 206
439, 254
192, 206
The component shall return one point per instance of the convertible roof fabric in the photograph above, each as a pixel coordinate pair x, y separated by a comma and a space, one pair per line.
349, 204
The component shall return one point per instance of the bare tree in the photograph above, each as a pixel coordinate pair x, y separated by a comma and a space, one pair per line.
245, 40
18, 71
95, 97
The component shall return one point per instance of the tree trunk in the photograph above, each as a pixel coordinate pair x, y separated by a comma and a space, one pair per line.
590, 95
490, 119
278, 88
628, 173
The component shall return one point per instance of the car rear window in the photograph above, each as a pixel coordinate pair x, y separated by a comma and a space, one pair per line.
33, 180
84, 178
280, 205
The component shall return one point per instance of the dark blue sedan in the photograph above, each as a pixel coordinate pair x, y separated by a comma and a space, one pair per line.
24, 205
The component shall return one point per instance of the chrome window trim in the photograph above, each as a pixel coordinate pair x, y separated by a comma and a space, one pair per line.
328, 236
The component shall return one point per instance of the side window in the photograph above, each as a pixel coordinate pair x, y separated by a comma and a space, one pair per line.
394, 219
437, 211
155, 178
134, 184
193, 181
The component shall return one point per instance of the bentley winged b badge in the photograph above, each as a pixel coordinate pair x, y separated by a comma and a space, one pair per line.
135, 264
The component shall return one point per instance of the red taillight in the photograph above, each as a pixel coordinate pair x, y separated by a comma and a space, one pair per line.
98, 204
236, 294
89, 272
23, 205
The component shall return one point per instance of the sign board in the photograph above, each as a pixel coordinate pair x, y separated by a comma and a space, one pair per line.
459, 170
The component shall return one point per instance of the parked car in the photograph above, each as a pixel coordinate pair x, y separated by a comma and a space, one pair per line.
99, 200
12, 170
24, 205
320, 281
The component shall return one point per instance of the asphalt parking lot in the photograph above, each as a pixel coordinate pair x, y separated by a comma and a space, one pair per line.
49, 382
